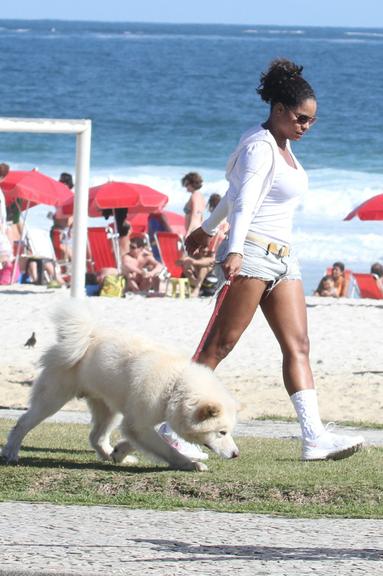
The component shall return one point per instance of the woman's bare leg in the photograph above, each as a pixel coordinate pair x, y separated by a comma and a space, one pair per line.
235, 314
285, 310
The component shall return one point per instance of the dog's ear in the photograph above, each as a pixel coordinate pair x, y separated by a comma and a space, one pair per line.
207, 410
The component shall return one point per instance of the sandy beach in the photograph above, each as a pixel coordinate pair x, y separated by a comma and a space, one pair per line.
345, 349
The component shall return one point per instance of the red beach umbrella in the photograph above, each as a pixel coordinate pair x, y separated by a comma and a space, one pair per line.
176, 222
33, 187
169, 221
371, 209
113, 195
29, 188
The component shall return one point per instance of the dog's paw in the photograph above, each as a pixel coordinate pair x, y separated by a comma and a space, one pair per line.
130, 459
193, 465
117, 456
103, 456
200, 466
120, 456
9, 457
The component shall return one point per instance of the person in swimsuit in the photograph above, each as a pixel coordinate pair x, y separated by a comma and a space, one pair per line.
326, 287
195, 206
377, 272
338, 276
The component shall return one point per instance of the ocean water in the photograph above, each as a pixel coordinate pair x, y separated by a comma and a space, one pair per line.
167, 99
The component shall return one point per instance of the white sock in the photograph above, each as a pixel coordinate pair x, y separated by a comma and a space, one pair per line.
306, 406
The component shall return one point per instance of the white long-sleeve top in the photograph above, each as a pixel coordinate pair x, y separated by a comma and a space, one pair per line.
263, 192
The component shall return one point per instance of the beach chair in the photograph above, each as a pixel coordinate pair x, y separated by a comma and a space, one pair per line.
41, 250
366, 286
101, 249
171, 248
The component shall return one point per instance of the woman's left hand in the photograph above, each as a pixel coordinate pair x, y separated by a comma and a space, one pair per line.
232, 264
197, 241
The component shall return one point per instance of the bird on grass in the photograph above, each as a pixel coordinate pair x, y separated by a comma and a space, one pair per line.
31, 341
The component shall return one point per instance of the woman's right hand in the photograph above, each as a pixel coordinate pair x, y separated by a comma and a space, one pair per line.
232, 264
197, 241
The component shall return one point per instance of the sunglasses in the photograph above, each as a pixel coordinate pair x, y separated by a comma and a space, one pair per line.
303, 119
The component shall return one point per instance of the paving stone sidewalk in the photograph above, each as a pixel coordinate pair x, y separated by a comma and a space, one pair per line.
44, 539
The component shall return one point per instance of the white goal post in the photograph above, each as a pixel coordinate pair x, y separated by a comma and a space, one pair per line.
82, 129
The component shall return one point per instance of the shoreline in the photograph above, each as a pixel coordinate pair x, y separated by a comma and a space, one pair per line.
345, 339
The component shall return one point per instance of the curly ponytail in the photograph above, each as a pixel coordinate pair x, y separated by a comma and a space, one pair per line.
283, 82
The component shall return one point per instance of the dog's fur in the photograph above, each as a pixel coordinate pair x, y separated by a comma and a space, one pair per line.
122, 375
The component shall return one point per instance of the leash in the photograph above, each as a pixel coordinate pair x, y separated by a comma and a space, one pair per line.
218, 305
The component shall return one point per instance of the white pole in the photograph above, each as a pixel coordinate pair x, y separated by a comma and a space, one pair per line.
83, 130
80, 216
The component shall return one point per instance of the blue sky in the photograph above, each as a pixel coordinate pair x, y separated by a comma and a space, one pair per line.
356, 13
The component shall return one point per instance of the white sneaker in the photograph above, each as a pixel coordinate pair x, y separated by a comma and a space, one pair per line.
191, 451
330, 446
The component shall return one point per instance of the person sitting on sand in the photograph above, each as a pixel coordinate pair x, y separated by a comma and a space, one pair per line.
326, 287
196, 268
377, 272
140, 268
337, 275
43, 271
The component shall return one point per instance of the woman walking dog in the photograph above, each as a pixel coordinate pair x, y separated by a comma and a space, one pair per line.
266, 182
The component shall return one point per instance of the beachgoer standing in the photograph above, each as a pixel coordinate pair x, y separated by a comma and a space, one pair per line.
64, 223
266, 182
195, 206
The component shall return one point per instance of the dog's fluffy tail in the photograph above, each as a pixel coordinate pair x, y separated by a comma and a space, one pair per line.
74, 327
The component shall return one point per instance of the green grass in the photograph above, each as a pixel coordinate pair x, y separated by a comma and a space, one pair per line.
57, 465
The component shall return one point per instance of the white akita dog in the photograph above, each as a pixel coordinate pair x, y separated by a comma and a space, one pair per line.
121, 375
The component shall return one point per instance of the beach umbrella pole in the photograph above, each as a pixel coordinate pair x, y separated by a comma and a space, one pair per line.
20, 244
115, 243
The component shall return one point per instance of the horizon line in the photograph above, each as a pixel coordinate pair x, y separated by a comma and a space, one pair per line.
182, 23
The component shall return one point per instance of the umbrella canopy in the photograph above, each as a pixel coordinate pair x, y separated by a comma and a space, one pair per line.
168, 221
371, 209
113, 195
33, 187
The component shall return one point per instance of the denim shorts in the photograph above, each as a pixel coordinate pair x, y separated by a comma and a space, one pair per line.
259, 263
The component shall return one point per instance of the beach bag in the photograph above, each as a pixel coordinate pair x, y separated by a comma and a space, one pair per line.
8, 271
210, 284
113, 286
